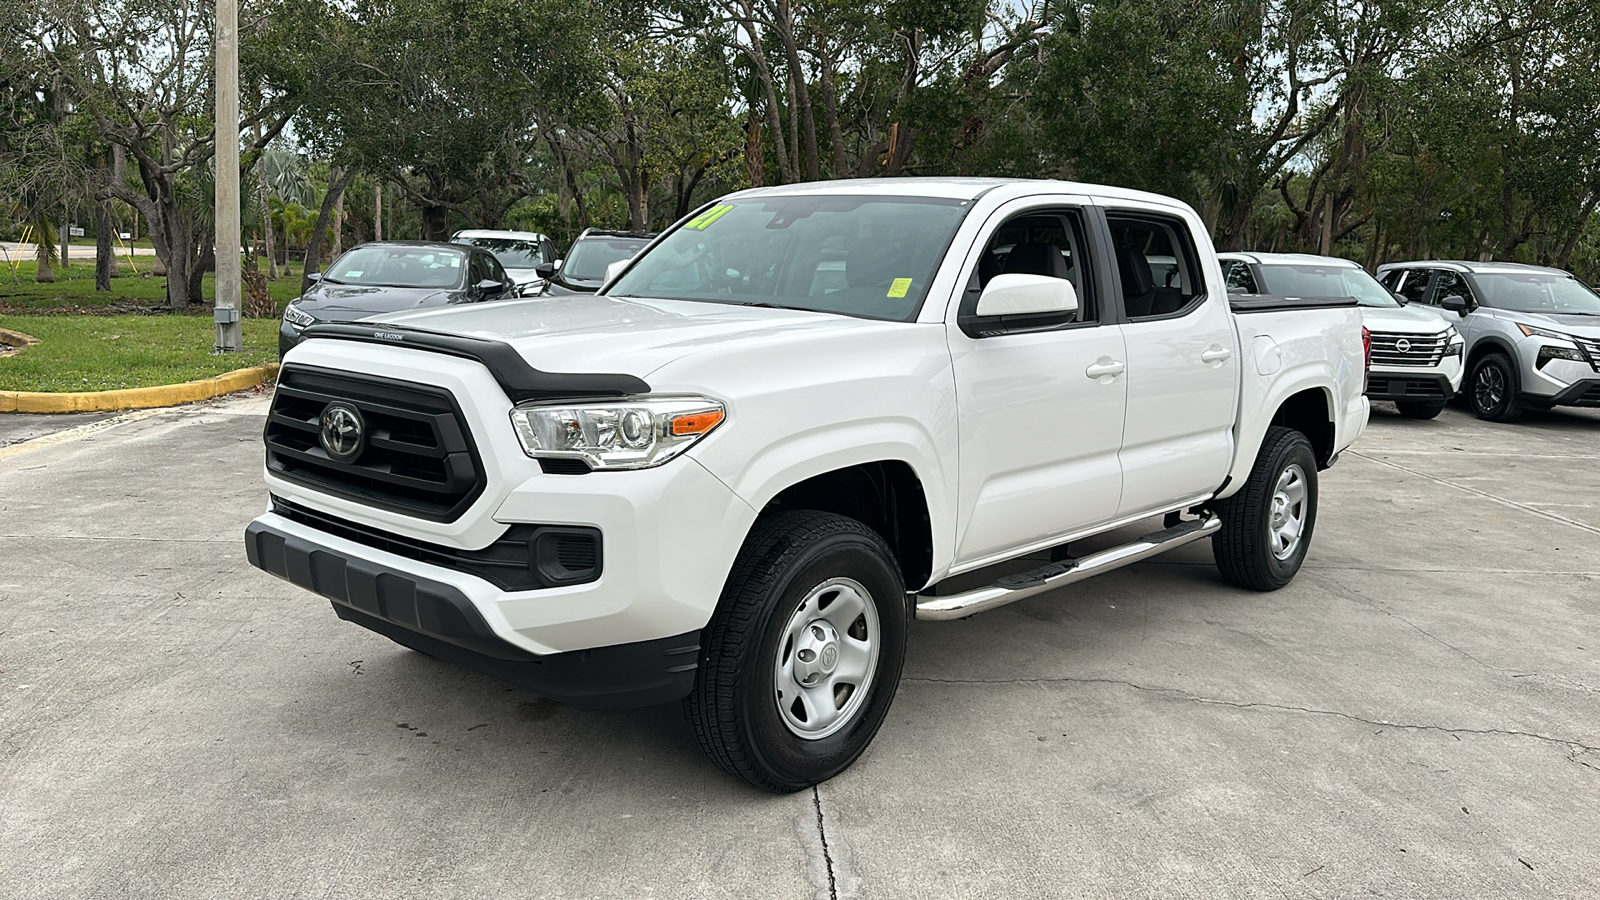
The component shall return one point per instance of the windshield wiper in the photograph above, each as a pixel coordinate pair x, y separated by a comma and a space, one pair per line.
765, 305
332, 280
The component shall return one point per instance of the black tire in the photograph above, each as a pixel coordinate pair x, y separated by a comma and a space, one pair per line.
1493, 389
1243, 548
733, 707
1419, 409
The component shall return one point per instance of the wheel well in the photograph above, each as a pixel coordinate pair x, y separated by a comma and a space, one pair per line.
1484, 348
1309, 413
885, 496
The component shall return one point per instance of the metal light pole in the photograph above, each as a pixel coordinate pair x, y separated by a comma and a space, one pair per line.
229, 278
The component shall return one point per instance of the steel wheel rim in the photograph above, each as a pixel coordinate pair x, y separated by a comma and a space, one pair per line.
827, 659
1286, 520
1490, 387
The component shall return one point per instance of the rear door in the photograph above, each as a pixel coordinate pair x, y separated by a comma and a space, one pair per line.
1183, 362
1040, 412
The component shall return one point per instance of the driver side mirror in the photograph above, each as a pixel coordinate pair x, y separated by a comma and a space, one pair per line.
1456, 304
1017, 302
546, 270
489, 287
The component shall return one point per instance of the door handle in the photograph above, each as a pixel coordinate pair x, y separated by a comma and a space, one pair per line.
1215, 354
1105, 368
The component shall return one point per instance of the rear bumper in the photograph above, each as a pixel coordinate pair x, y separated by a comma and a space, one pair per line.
439, 619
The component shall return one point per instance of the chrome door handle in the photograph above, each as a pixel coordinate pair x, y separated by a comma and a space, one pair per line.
1103, 369
1215, 354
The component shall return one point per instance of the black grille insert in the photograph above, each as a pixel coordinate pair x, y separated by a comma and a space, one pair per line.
417, 457
511, 563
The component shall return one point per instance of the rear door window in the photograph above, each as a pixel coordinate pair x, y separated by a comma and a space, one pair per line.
1156, 265
1414, 287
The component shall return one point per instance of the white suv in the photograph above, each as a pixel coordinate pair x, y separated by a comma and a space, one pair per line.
1416, 352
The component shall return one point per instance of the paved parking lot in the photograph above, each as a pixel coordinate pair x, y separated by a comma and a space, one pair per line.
1415, 716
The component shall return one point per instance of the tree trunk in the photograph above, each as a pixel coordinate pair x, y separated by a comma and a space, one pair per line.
377, 212
338, 227
802, 92
830, 112
336, 186
105, 256
43, 251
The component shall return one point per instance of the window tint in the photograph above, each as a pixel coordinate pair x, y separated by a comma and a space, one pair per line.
1156, 265
1313, 280
1237, 274
1415, 286
1451, 284
1036, 243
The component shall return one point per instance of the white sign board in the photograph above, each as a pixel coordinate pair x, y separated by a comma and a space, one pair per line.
75, 230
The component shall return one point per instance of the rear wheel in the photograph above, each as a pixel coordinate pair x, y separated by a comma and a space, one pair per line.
1494, 389
802, 658
1267, 525
1419, 409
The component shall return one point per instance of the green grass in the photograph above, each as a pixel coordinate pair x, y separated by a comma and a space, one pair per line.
102, 353
73, 289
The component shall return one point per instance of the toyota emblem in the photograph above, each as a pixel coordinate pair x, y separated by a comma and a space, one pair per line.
342, 433
1403, 345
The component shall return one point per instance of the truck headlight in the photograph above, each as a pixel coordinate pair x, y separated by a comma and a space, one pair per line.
297, 317
622, 434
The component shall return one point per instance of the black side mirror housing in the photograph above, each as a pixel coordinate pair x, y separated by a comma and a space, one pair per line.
1456, 304
545, 270
489, 287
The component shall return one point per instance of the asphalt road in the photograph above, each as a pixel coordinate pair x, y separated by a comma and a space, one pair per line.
1415, 716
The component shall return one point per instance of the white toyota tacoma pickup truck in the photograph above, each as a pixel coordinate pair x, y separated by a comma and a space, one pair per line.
736, 476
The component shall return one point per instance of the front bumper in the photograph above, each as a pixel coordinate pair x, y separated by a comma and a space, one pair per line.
1410, 387
1584, 393
438, 618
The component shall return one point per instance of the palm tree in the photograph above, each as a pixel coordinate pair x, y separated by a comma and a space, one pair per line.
281, 176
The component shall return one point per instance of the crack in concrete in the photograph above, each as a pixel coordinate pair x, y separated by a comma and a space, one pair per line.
1484, 494
1176, 694
827, 853
1363, 599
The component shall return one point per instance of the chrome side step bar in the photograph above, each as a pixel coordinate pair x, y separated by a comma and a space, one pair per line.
1050, 576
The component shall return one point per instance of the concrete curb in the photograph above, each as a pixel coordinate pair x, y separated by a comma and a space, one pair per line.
16, 339
136, 398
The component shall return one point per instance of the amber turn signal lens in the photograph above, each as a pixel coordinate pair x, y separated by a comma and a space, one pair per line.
696, 423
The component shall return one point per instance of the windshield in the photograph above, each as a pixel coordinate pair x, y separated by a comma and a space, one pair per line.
860, 256
1299, 280
1540, 292
512, 252
591, 256
397, 266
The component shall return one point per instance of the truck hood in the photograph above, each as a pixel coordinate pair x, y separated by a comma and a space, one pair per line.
592, 333
1405, 320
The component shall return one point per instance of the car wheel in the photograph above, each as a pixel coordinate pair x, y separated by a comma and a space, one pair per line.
1494, 389
802, 657
1267, 525
1418, 409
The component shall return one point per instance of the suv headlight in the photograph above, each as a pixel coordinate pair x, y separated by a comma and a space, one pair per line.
1531, 331
1454, 343
622, 434
297, 317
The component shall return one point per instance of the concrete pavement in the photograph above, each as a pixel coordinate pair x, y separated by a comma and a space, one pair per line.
1415, 716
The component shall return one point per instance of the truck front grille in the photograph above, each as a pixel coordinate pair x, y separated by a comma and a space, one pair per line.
413, 455
1393, 349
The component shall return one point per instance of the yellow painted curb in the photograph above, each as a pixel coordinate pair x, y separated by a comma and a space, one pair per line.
136, 398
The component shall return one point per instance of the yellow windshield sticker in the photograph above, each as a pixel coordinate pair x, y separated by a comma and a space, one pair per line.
704, 220
899, 286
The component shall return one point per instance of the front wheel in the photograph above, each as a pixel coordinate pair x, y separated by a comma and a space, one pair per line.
1267, 525
1419, 409
802, 657
1494, 389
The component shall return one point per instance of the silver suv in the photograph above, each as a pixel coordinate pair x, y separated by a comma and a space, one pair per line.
1533, 333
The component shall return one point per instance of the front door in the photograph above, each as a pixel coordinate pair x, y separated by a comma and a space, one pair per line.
1040, 413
